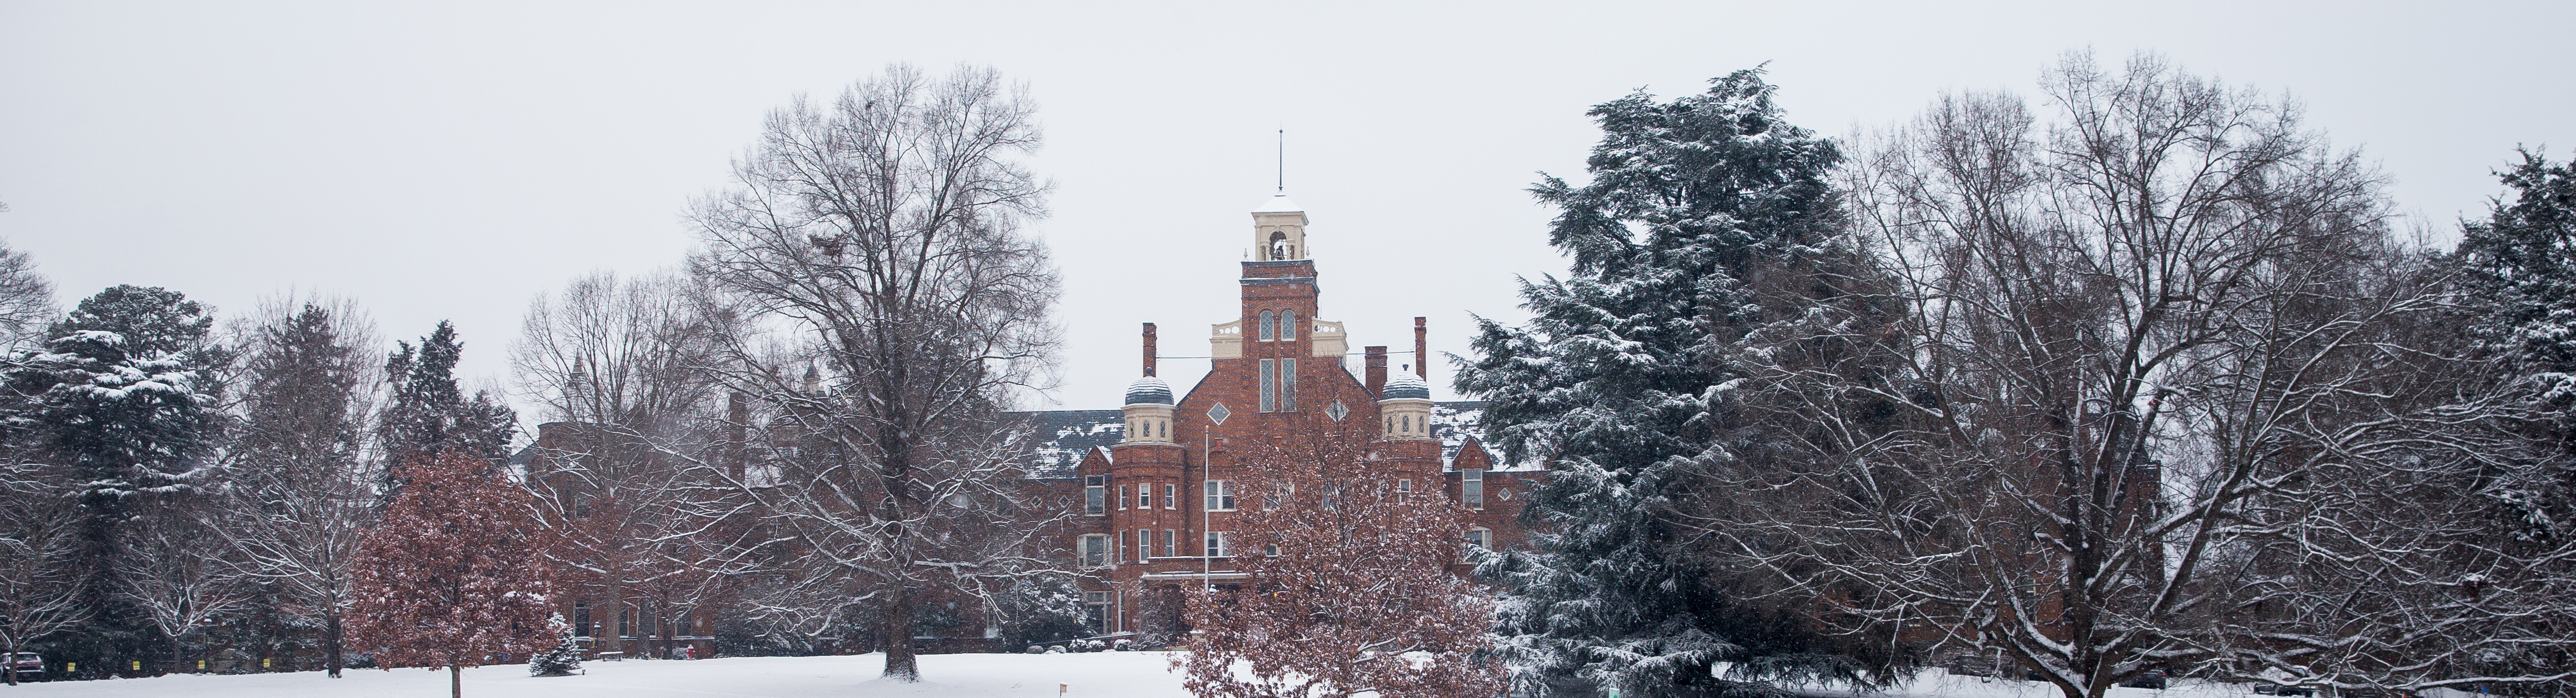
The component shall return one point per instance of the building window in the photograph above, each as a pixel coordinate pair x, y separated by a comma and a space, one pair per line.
1270, 550
1171, 496
1095, 494
1216, 544
1287, 324
1094, 549
1278, 495
1269, 385
1220, 495
1265, 327
1095, 611
1144, 544
1471, 488
581, 506
626, 622
1287, 385
1144, 496
1122, 497
1403, 491
581, 618
1171, 542
1480, 537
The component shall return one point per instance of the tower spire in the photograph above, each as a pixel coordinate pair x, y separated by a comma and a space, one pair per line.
1283, 160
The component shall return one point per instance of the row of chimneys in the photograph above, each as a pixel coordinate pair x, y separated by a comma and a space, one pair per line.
1375, 367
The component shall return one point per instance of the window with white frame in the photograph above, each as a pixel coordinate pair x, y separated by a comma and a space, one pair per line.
1480, 537
1216, 544
1403, 490
1094, 549
1471, 488
1171, 542
1171, 496
1144, 496
1095, 494
1122, 497
1144, 544
1266, 333
1220, 495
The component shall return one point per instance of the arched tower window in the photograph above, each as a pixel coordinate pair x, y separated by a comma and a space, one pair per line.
1279, 246
1287, 324
1265, 327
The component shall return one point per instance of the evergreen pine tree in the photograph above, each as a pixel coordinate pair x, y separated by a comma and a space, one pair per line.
122, 396
2520, 286
1710, 228
561, 660
429, 414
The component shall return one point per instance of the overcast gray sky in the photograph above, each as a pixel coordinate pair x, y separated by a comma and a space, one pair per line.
451, 159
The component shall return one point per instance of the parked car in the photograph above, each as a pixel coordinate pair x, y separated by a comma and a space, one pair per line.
2154, 678
2274, 689
31, 667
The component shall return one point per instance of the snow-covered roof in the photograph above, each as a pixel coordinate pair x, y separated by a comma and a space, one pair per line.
1061, 437
1149, 391
1404, 385
1279, 204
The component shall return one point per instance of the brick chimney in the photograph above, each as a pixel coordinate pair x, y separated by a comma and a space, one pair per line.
1374, 371
1149, 350
1421, 348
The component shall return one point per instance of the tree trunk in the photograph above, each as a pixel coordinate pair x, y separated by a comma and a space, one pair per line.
900, 664
455, 681
331, 642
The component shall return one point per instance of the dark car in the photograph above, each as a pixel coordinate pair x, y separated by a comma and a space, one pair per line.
30, 666
2154, 678
2274, 689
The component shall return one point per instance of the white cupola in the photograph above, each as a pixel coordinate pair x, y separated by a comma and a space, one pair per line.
1149, 411
1405, 404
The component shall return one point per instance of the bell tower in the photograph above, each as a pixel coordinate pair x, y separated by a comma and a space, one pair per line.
1278, 231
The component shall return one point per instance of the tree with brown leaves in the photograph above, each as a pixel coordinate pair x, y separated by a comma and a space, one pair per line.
1349, 588
455, 575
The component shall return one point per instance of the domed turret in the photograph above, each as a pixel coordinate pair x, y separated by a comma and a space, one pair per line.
1405, 385
1149, 391
1405, 403
1149, 411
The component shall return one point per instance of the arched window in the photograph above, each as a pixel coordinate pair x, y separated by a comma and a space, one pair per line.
1279, 246
1265, 327
1287, 324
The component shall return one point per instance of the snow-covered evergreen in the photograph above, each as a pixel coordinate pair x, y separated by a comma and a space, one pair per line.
1698, 210
561, 660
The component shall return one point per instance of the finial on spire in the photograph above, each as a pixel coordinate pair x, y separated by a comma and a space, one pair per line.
1283, 160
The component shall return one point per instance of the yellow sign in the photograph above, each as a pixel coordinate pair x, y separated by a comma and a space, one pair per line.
263, 663
138, 665
201, 665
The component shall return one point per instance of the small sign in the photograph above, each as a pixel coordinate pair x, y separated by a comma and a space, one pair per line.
138, 665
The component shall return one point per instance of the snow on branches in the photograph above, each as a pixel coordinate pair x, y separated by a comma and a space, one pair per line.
1349, 588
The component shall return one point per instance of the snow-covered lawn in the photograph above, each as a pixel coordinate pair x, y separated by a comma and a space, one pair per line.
1138, 674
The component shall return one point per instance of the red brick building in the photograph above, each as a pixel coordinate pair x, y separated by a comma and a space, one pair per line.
1159, 503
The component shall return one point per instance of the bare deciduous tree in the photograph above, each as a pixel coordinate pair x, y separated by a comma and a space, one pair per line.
302, 483
2129, 328
879, 237
40, 573
26, 298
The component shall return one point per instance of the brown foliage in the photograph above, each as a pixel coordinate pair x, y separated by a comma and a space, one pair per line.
1358, 597
455, 575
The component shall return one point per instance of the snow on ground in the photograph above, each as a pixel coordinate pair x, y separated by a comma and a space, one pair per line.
1124, 674
1139, 674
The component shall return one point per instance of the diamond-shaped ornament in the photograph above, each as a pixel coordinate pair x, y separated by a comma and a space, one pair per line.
1219, 413
1336, 411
